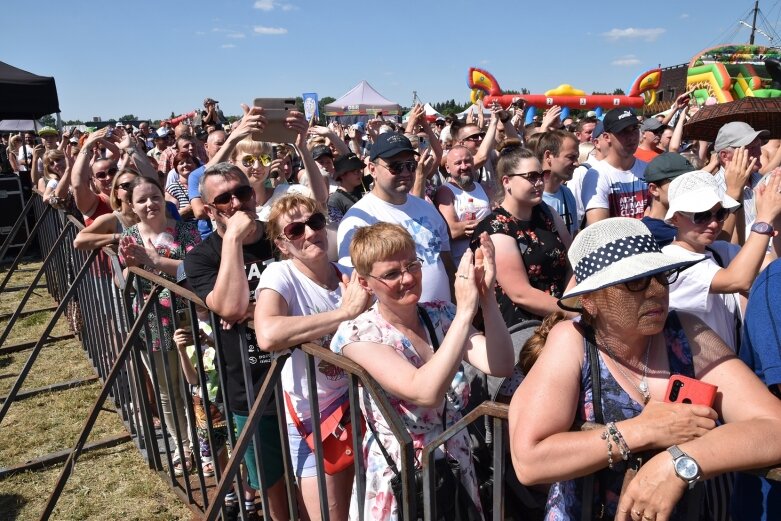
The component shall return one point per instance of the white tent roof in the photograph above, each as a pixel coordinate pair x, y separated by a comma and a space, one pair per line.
360, 100
486, 111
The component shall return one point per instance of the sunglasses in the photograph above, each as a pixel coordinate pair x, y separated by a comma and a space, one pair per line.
707, 216
124, 186
296, 230
533, 177
243, 193
412, 268
105, 174
475, 137
248, 160
664, 278
398, 166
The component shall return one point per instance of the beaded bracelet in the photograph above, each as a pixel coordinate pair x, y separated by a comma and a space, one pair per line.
606, 437
618, 439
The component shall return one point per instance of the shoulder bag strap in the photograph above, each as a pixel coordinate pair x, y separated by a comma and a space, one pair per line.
587, 503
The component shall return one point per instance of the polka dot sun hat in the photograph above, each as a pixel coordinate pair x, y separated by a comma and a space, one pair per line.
613, 251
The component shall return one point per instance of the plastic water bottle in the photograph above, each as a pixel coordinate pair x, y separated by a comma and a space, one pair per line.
470, 212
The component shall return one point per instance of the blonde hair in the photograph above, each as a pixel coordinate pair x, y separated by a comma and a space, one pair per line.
283, 206
114, 199
376, 243
49, 158
250, 146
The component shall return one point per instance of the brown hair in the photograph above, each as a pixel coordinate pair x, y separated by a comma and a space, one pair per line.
285, 205
376, 243
531, 350
181, 157
140, 180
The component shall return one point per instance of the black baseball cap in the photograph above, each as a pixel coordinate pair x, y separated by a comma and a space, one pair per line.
322, 150
346, 164
617, 120
389, 144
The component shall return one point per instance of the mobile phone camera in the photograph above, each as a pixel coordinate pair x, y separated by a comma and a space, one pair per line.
676, 389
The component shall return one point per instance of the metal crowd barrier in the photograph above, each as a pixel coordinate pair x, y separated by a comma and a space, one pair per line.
116, 313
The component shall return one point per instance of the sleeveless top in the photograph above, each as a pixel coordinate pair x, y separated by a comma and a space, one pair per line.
564, 498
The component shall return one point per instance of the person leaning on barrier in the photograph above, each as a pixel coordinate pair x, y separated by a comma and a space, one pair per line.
158, 244
224, 271
626, 329
301, 299
396, 341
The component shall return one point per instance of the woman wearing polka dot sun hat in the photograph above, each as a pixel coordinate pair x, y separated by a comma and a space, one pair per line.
611, 366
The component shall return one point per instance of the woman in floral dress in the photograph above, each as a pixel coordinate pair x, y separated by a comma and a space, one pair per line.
158, 244
391, 341
530, 240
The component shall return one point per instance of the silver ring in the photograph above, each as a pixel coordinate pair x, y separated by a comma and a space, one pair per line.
463, 277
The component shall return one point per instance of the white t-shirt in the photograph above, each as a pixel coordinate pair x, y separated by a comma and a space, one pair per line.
305, 297
461, 200
691, 292
575, 186
623, 192
422, 221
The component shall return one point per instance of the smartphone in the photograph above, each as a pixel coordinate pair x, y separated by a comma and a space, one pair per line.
183, 319
682, 389
423, 145
276, 110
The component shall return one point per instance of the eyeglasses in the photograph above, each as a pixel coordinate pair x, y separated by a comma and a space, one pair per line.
707, 216
392, 276
124, 186
248, 160
533, 177
296, 230
105, 174
398, 166
475, 137
243, 193
664, 278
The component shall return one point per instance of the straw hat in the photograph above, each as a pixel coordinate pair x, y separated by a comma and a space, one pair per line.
613, 251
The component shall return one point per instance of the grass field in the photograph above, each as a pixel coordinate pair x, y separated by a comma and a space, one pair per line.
111, 483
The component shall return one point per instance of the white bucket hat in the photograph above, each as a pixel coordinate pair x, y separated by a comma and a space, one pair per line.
696, 191
613, 251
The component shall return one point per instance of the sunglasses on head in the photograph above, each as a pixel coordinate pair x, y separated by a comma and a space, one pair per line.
296, 230
533, 177
475, 137
664, 278
243, 193
707, 216
248, 160
398, 166
105, 174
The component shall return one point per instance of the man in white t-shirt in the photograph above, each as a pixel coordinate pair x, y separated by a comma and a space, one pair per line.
392, 165
616, 187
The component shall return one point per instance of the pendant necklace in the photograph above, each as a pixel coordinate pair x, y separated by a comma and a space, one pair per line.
642, 388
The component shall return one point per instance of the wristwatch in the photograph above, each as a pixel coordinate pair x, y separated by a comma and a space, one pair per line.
763, 228
685, 467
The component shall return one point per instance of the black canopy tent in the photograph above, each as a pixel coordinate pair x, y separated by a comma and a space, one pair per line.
24, 95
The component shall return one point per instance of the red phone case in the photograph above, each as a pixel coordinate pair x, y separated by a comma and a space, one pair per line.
682, 389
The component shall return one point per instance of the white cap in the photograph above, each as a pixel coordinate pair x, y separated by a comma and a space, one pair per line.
694, 192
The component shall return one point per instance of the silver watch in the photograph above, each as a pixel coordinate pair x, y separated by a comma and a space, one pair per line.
685, 467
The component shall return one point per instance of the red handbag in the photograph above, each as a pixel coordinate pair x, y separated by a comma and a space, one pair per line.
337, 433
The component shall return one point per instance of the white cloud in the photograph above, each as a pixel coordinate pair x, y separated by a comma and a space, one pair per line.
648, 35
228, 46
235, 36
684, 16
626, 61
259, 29
484, 62
270, 5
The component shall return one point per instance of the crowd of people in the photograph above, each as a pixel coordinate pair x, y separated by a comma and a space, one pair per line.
618, 253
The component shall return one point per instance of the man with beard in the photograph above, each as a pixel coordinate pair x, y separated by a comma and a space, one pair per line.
462, 201
392, 165
557, 152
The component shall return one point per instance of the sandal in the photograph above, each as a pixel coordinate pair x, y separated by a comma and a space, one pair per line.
179, 468
208, 469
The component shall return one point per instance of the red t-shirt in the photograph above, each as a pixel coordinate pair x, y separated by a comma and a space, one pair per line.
102, 208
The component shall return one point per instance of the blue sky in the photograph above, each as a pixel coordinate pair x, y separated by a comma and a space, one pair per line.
150, 58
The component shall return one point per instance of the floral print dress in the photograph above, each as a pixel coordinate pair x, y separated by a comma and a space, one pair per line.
423, 423
174, 243
542, 252
564, 498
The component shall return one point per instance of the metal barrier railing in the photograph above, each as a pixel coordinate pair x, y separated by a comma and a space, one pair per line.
117, 317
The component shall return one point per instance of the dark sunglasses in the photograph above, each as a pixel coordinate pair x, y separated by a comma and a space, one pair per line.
664, 278
533, 177
296, 230
398, 166
707, 216
124, 186
475, 137
105, 174
243, 193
